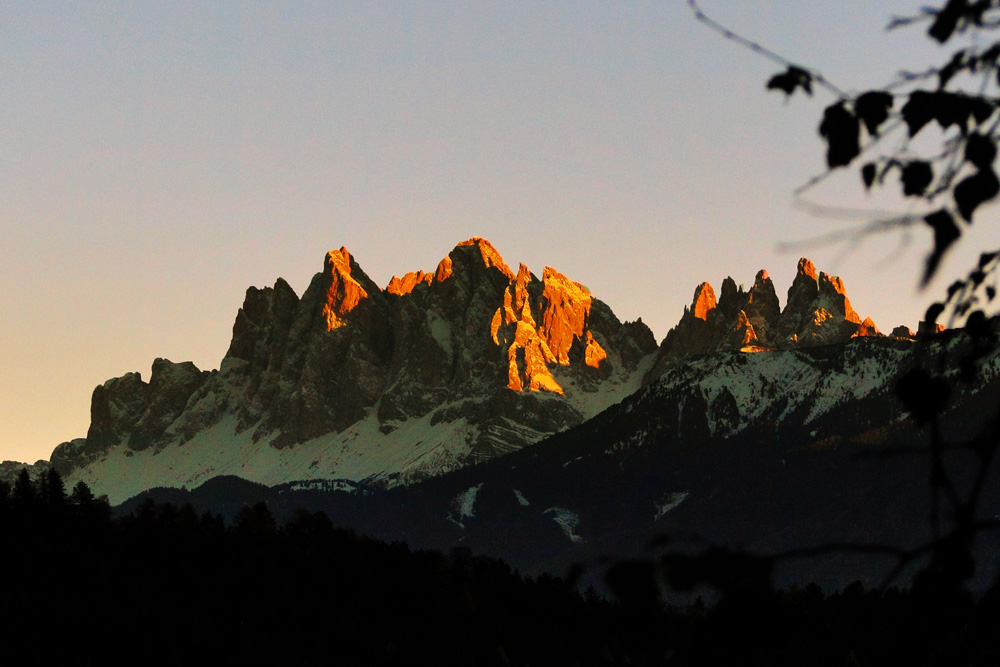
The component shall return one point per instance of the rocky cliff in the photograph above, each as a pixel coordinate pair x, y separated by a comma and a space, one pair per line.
817, 312
436, 371
11, 470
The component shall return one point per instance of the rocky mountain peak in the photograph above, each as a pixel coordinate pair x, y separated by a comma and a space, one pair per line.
489, 255
762, 308
804, 289
703, 302
405, 285
867, 328
806, 268
832, 288
731, 297
348, 285
817, 312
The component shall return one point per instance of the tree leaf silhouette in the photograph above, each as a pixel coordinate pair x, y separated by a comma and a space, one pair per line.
840, 128
978, 325
917, 111
946, 232
946, 108
947, 20
917, 176
868, 174
974, 191
956, 109
980, 108
923, 394
873, 109
933, 313
792, 78
954, 66
980, 151
990, 55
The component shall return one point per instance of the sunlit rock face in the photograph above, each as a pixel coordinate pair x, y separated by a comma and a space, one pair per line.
545, 324
484, 360
704, 301
817, 312
867, 328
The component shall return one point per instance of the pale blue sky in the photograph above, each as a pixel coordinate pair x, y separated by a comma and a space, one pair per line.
156, 159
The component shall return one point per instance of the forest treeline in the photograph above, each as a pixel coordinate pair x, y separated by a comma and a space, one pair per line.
165, 585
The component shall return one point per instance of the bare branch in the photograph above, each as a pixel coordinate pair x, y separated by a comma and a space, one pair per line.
760, 50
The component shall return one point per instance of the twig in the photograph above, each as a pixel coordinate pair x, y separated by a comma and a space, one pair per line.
758, 49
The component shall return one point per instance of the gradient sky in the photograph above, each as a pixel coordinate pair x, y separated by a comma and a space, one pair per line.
156, 159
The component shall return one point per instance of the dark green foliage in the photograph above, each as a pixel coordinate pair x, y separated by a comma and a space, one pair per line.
24, 491
82, 496
54, 489
735, 575
165, 586
256, 521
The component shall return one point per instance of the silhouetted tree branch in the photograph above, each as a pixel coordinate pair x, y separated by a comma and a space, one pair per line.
874, 132
947, 182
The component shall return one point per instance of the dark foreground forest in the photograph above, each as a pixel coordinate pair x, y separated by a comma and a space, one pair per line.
164, 585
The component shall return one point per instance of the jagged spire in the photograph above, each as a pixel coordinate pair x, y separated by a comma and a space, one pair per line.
818, 312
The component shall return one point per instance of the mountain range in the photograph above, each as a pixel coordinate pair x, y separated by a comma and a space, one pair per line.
434, 372
518, 415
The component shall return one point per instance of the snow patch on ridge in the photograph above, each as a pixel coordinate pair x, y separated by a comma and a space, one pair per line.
741, 389
587, 400
464, 504
415, 449
668, 503
568, 520
441, 332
